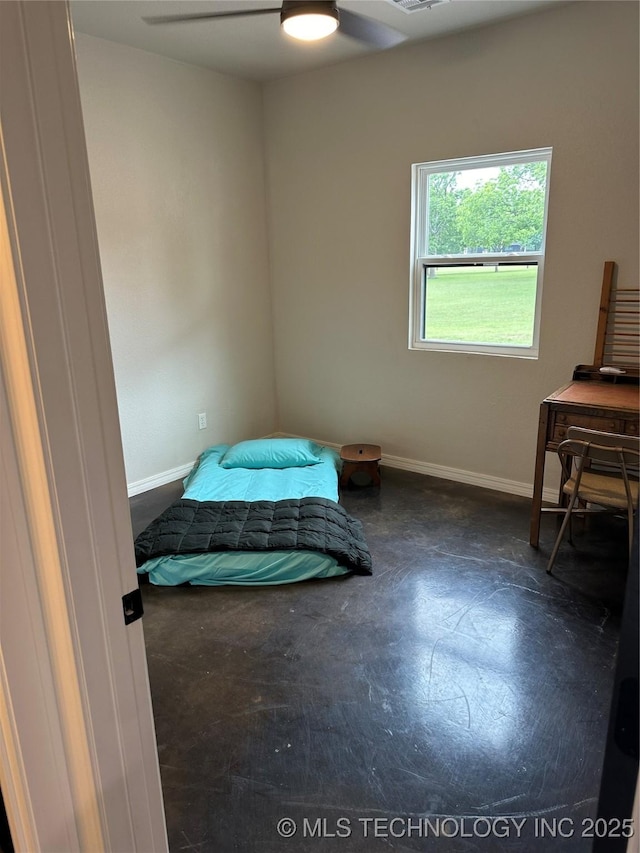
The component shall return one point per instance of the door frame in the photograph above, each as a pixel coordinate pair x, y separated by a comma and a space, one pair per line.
78, 758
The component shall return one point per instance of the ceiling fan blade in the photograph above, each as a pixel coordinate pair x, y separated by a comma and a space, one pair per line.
369, 31
205, 16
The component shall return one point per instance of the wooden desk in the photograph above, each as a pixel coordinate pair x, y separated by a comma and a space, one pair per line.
592, 404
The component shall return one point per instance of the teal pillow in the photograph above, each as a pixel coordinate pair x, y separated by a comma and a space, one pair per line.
272, 453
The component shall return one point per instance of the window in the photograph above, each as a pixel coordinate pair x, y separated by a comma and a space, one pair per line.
477, 253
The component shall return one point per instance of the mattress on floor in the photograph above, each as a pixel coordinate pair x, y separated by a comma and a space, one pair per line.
248, 569
210, 482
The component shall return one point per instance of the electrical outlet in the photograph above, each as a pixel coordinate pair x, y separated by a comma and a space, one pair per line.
202, 420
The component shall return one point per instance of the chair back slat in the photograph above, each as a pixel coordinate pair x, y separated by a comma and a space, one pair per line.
603, 447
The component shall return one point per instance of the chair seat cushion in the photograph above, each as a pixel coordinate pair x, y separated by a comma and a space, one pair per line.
603, 490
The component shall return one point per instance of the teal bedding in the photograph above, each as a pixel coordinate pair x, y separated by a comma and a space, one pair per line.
210, 482
259, 569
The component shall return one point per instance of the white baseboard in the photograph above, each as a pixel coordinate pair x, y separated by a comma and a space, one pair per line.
484, 481
158, 480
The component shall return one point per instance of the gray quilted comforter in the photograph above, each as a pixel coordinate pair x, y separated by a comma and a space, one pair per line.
312, 524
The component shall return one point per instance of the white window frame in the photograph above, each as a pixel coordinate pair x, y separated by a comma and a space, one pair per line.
421, 259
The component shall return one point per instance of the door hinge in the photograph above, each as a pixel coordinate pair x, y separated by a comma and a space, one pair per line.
132, 606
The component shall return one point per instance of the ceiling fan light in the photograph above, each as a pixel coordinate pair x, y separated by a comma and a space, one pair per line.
310, 21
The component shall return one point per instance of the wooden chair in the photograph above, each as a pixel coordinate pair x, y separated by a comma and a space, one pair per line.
608, 485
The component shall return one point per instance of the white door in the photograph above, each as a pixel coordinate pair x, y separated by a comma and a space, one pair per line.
78, 760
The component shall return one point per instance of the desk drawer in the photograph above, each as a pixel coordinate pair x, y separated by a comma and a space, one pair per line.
631, 428
563, 420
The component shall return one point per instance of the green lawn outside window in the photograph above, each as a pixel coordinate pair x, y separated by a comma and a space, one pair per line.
482, 305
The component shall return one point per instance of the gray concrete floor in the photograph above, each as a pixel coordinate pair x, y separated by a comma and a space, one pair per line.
456, 700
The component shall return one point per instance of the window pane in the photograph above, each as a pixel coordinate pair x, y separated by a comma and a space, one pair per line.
493, 209
492, 305
477, 252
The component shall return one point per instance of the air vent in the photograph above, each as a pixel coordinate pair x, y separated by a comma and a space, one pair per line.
415, 5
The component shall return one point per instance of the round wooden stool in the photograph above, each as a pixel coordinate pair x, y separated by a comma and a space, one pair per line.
357, 458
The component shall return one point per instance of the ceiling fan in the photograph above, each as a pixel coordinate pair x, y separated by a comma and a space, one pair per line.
308, 20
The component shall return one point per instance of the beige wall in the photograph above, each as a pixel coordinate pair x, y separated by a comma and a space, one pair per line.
176, 159
177, 171
340, 142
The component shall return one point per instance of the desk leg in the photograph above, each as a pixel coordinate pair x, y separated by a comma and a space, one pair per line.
538, 478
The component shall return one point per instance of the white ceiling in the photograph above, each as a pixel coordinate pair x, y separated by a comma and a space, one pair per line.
255, 48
